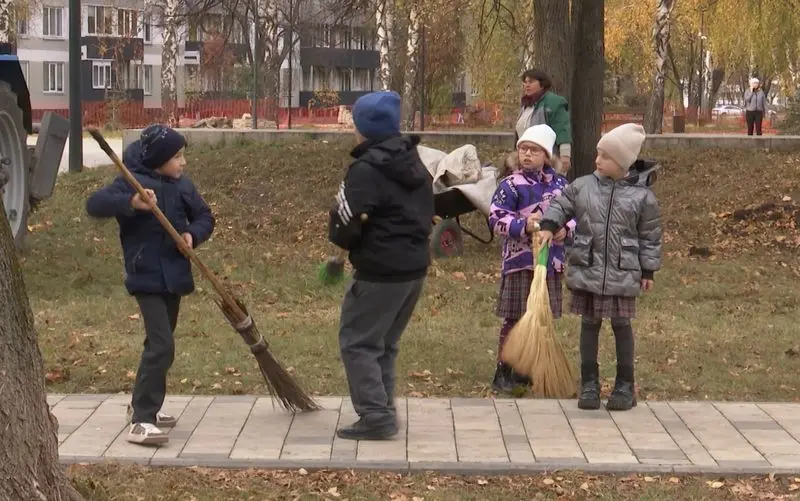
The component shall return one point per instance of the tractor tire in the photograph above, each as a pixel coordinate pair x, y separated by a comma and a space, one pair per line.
14, 161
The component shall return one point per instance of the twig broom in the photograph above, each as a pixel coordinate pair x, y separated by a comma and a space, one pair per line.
532, 348
280, 383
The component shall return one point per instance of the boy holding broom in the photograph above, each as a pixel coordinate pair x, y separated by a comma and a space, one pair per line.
517, 206
615, 252
157, 273
383, 217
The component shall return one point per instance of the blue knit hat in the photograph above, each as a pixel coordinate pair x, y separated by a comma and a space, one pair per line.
377, 115
159, 144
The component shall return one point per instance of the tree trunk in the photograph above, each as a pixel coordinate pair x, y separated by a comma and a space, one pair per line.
587, 98
552, 43
169, 62
411, 87
383, 20
6, 24
655, 112
29, 467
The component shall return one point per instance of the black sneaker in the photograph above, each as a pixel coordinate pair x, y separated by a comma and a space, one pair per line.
361, 430
589, 399
503, 379
623, 398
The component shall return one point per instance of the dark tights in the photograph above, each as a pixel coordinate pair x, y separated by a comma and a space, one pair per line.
623, 334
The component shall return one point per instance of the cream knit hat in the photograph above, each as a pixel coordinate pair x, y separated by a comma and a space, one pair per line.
623, 144
541, 135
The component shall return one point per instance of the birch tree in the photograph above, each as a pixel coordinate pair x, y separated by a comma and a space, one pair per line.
655, 113
169, 60
412, 60
6, 24
384, 13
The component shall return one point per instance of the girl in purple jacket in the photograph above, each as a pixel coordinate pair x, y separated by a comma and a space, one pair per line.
517, 205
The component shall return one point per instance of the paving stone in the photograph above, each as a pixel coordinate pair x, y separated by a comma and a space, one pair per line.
192, 413
121, 449
54, 398
320, 425
264, 432
681, 434
548, 430
478, 434
431, 435
346, 450
516, 441
96, 434
784, 460
758, 427
394, 450
787, 415
599, 437
217, 431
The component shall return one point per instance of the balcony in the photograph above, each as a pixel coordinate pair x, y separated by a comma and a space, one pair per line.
238, 50
339, 58
113, 48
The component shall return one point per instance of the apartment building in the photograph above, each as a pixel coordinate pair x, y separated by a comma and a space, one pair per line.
121, 56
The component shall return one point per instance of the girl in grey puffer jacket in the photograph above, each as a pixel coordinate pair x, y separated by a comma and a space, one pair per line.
615, 252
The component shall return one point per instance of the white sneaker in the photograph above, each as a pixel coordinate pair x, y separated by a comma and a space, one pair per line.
162, 420
146, 434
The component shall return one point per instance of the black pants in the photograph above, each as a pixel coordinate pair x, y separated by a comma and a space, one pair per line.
754, 119
374, 316
160, 315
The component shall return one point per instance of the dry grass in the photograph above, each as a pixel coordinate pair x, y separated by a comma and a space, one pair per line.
721, 327
133, 483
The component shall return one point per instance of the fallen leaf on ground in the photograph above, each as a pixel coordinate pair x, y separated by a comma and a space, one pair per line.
135, 316
715, 485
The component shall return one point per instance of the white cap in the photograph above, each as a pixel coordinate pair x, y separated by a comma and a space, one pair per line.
623, 144
754, 80
541, 135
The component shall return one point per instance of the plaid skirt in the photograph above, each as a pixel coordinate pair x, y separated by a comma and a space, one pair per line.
595, 306
514, 290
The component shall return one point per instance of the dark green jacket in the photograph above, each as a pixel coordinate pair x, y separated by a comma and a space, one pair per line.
552, 110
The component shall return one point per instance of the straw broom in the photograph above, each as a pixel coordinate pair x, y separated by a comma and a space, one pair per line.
532, 348
279, 382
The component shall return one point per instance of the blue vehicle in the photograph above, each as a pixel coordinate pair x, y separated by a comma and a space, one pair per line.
27, 173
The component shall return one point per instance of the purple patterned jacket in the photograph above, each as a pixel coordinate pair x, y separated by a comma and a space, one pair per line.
518, 196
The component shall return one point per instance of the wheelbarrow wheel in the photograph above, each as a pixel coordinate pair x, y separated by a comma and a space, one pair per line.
447, 239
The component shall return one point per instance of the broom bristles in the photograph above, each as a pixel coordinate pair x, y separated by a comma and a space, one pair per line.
532, 348
279, 382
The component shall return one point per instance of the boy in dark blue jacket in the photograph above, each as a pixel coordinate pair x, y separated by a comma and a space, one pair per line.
388, 183
157, 272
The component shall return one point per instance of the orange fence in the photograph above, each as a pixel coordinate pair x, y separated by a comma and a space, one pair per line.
481, 116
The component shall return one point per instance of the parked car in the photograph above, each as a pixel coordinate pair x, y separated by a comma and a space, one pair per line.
727, 110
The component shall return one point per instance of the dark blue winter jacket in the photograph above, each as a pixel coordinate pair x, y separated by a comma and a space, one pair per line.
153, 263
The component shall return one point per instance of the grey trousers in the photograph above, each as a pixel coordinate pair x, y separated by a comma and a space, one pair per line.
160, 314
374, 316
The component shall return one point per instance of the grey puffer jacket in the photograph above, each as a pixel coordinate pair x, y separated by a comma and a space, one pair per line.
617, 239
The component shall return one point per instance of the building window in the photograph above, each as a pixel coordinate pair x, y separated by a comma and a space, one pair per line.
127, 22
147, 29
53, 78
26, 71
143, 77
361, 79
22, 25
101, 75
345, 80
52, 22
100, 20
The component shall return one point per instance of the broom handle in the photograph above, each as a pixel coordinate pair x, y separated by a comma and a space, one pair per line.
188, 251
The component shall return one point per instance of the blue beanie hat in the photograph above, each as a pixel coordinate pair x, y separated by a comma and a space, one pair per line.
377, 115
159, 144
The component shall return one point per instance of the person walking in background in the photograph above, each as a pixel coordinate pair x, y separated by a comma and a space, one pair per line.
755, 102
540, 105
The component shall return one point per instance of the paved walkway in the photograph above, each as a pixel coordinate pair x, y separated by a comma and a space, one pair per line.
466, 435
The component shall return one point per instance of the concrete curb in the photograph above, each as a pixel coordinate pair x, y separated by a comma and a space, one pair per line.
470, 469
